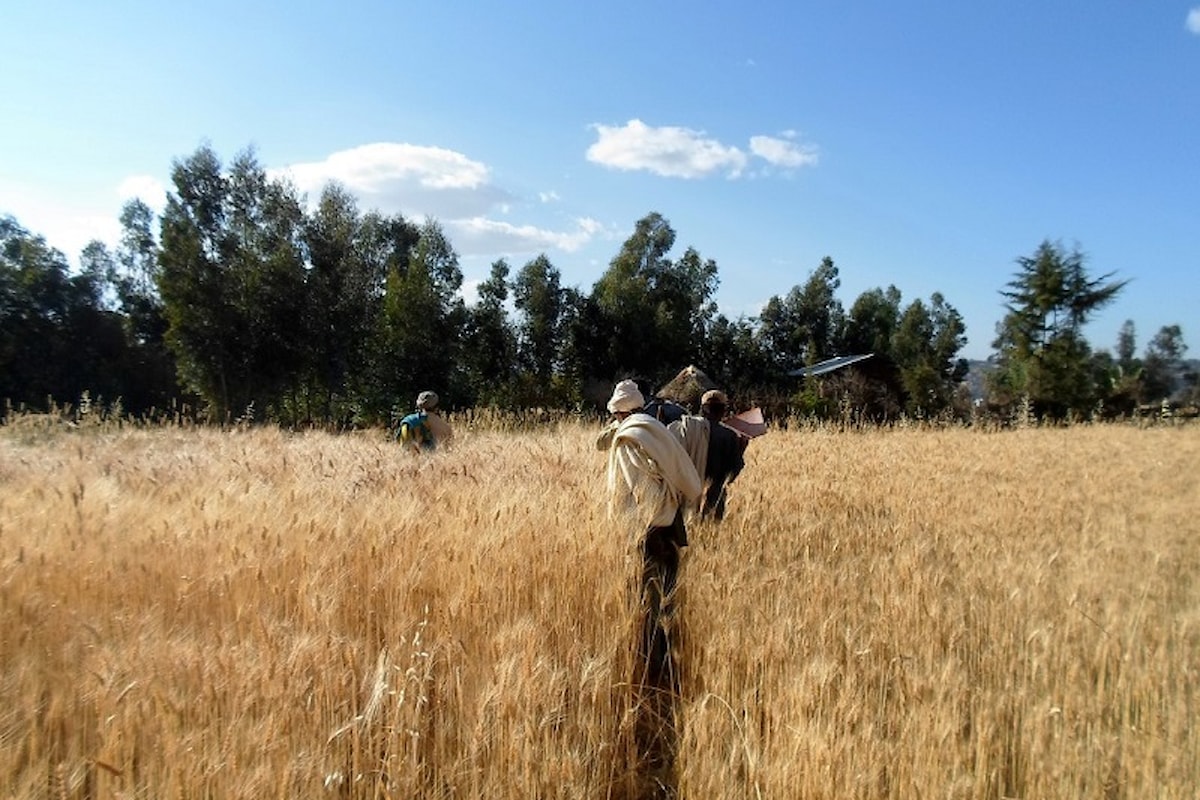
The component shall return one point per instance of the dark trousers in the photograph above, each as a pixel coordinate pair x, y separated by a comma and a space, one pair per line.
656, 676
714, 501
660, 572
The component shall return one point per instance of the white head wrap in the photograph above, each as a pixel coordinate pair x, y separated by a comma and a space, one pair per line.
626, 397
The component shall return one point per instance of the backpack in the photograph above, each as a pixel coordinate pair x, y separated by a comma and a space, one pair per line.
665, 411
413, 431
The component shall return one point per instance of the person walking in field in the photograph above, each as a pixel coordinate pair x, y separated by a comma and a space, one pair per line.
651, 479
715, 450
664, 410
424, 429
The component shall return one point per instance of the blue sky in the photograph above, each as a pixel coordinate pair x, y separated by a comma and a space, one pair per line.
926, 145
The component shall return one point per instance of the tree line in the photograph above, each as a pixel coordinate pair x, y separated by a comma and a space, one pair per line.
242, 301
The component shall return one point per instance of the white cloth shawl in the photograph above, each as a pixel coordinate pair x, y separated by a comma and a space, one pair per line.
694, 432
649, 472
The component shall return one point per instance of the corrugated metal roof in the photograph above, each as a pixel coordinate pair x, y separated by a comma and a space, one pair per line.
828, 365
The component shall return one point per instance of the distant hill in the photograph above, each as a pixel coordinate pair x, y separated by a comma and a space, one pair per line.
975, 376
978, 370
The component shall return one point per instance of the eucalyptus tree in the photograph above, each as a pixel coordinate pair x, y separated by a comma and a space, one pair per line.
540, 302
34, 297
1127, 346
685, 310
232, 282
1118, 379
348, 258
875, 387
624, 296
384, 246
586, 361
117, 349
925, 347
135, 273
1162, 371
734, 357
872, 321
655, 310
807, 324
268, 219
490, 343
420, 334
778, 330
57, 337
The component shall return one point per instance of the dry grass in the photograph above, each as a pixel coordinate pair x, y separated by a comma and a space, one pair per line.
903, 614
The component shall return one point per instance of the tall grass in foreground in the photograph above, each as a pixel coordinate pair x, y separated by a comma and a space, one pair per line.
912, 613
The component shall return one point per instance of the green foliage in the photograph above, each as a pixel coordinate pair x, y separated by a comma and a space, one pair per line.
490, 344
1126, 345
872, 321
350, 257
1042, 353
812, 401
924, 348
587, 337
914, 363
1162, 366
270, 311
1161, 375
58, 335
539, 300
808, 324
418, 341
735, 359
232, 275
654, 310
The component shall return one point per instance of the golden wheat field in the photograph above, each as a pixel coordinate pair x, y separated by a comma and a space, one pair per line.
902, 613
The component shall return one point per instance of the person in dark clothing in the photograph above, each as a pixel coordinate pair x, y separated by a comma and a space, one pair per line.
662, 409
725, 460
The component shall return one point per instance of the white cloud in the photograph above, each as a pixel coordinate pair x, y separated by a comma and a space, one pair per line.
670, 151
1193, 20
675, 152
483, 236
410, 179
783, 152
146, 188
66, 224
456, 190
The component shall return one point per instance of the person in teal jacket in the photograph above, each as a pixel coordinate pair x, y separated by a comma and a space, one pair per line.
424, 429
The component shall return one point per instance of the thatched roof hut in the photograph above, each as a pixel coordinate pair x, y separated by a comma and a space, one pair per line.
687, 387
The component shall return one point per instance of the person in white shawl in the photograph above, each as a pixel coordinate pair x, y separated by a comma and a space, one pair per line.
651, 477
650, 474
